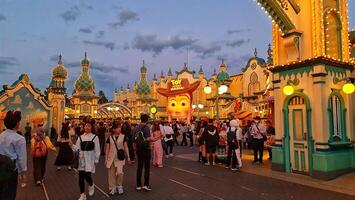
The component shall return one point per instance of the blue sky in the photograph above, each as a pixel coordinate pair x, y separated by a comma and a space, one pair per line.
119, 34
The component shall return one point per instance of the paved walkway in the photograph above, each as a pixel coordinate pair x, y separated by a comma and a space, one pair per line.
181, 178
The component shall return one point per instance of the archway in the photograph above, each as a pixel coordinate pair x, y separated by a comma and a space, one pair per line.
113, 110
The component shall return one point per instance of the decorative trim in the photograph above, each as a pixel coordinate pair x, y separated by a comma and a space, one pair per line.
319, 82
296, 71
321, 74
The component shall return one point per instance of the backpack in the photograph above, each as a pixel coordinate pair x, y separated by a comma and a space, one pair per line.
140, 139
39, 148
7, 168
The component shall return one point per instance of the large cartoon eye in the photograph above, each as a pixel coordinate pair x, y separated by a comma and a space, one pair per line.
172, 104
183, 103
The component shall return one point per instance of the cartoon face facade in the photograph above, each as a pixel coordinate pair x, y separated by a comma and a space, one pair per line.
179, 106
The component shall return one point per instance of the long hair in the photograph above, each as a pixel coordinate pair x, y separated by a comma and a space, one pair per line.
155, 127
64, 133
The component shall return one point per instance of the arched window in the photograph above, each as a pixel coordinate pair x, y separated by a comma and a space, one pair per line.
254, 84
337, 124
332, 34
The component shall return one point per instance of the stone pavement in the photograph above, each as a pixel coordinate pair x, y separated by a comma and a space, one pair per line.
181, 178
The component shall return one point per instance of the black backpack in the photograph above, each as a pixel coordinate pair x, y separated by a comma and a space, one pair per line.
87, 145
7, 168
140, 139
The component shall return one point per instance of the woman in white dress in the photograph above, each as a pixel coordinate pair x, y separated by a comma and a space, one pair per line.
89, 153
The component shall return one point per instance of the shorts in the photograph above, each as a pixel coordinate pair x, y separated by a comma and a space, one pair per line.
210, 149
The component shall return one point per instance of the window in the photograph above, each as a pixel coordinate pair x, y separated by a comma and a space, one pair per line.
335, 106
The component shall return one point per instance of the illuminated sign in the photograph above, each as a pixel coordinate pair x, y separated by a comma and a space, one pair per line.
176, 85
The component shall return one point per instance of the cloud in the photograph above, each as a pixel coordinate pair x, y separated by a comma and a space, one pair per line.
124, 17
100, 34
85, 30
237, 43
205, 50
8, 61
70, 15
100, 67
108, 45
2, 17
151, 43
241, 60
236, 31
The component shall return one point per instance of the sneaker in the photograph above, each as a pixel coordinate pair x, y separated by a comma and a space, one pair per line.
226, 167
112, 192
147, 188
138, 188
160, 166
213, 163
171, 155
254, 162
38, 183
120, 190
207, 163
167, 156
234, 169
69, 168
91, 190
58, 168
82, 197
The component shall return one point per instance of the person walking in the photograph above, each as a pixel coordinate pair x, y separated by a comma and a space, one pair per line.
201, 143
168, 134
28, 130
211, 139
176, 130
65, 153
233, 145
101, 134
270, 130
13, 156
127, 131
142, 140
116, 155
184, 130
88, 146
259, 136
40, 145
157, 146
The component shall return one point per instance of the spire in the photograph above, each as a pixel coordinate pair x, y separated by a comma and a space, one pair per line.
255, 53
85, 61
214, 72
116, 90
169, 72
201, 70
60, 59
222, 66
269, 53
185, 66
162, 74
143, 68
121, 89
155, 77
128, 86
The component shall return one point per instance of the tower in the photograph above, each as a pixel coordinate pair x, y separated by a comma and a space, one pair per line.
56, 91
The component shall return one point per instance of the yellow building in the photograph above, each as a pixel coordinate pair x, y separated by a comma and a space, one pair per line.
83, 101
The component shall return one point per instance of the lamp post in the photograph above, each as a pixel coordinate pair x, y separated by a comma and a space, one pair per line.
222, 88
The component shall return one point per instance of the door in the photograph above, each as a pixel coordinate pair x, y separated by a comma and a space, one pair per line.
298, 135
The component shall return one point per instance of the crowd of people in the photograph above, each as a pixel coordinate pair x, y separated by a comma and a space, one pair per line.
80, 145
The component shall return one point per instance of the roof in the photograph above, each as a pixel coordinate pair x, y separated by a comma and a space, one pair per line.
259, 61
226, 96
313, 61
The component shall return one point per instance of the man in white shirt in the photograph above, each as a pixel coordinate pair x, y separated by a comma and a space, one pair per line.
168, 133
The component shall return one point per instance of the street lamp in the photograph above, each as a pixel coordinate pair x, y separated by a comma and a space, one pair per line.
221, 90
193, 106
200, 106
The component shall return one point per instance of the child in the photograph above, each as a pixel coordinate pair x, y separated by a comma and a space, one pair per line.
116, 152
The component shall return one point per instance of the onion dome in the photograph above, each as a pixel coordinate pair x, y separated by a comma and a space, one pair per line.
59, 71
223, 75
143, 68
143, 87
85, 83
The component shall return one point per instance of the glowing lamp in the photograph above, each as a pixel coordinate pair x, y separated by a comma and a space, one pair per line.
77, 111
207, 89
193, 106
222, 89
117, 108
348, 88
66, 110
153, 110
108, 108
207, 112
200, 106
95, 111
288, 90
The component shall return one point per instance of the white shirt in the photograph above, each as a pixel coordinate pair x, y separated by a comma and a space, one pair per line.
167, 130
87, 159
13, 145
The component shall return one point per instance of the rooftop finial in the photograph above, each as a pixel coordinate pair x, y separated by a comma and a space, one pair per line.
86, 55
143, 63
60, 59
269, 53
255, 52
222, 60
185, 65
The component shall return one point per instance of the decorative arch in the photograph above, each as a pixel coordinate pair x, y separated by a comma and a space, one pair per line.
254, 84
335, 95
332, 33
122, 111
286, 139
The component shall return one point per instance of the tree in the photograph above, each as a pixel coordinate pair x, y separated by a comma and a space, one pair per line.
103, 98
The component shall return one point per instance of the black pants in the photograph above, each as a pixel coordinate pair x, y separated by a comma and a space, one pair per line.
169, 146
143, 156
269, 149
131, 150
191, 136
8, 189
84, 176
175, 139
184, 140
39, 168
102, 145
28, 138
231, 156
258, 146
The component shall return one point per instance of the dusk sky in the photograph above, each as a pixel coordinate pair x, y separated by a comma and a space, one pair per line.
119, 34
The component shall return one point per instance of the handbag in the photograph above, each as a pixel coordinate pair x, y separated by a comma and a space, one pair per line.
87, 145
120, 152
264, 136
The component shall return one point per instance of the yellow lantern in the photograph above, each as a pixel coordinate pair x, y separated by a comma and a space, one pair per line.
348, 88
207, 89
288, 90
153, 110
